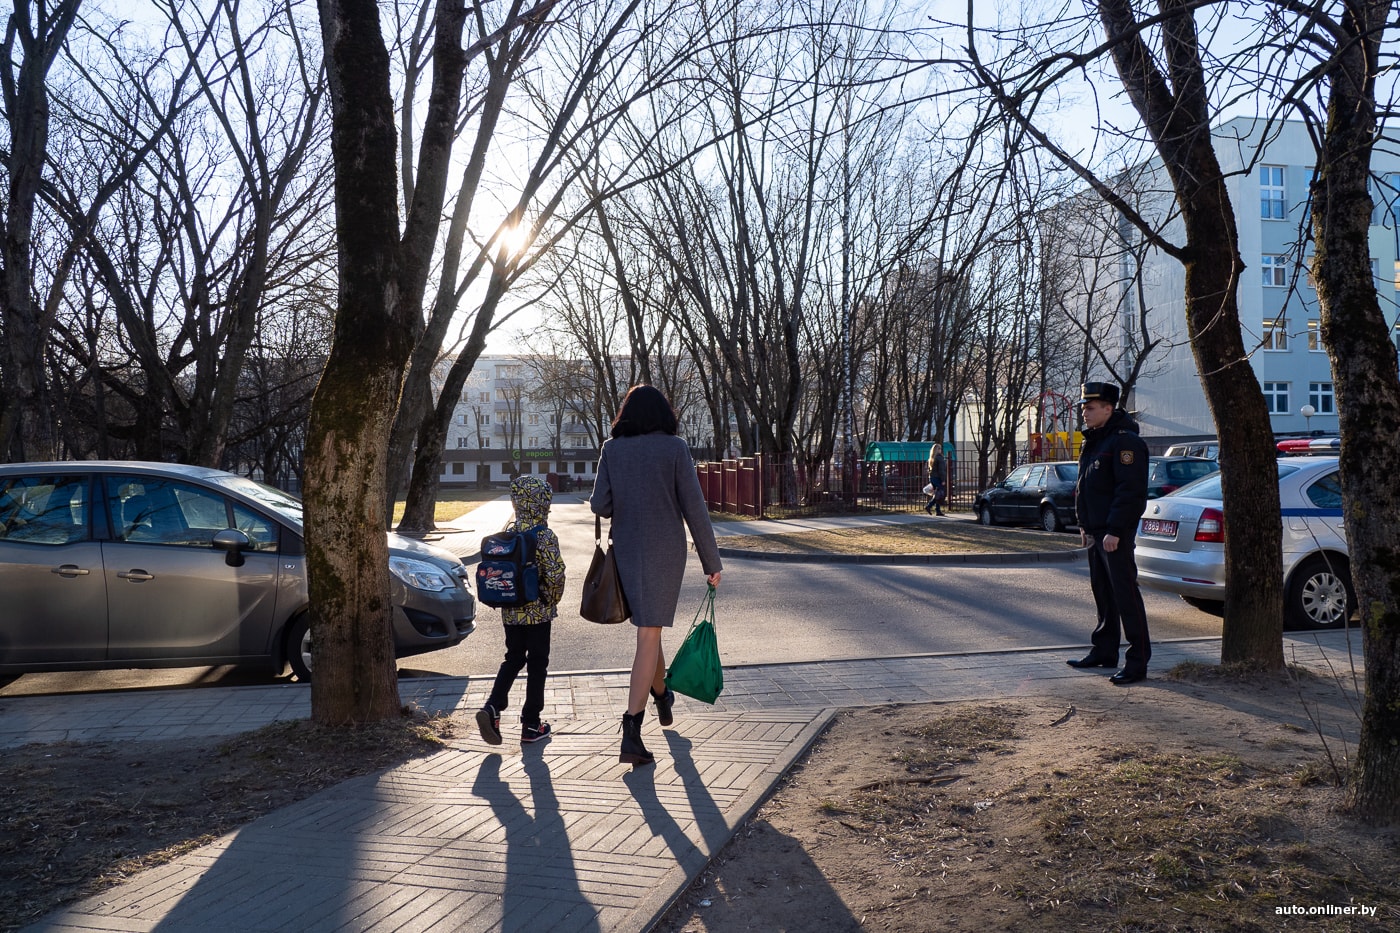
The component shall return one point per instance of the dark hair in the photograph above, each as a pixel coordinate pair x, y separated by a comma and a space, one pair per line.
643, 411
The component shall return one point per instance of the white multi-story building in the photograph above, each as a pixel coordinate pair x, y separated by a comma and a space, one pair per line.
1278, 304
504, 424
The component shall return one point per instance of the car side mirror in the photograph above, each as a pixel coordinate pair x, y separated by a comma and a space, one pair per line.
233, 543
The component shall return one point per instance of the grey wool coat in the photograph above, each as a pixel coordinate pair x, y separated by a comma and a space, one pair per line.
648, 487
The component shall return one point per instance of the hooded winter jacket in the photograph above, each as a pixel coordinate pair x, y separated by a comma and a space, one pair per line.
531, 497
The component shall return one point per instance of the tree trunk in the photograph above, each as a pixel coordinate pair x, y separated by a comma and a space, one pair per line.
26, 428
382, 279
347, 551
1178, 118
1368, 399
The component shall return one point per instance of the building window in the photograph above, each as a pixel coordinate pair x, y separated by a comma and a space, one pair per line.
534, 418
1272, 205
463, 442
486, 396
483, 419
485, 442
1320, 397
1276, 397
458, 469
461, 419
1314, 336
1275, 269
1275, 334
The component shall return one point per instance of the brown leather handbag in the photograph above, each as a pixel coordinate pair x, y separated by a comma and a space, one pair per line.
603, 599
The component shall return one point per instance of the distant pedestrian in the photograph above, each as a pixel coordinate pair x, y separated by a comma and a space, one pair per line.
937, 480
647, 485
1110, 496
527, 627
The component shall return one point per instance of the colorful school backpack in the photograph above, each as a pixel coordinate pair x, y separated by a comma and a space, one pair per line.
507, 575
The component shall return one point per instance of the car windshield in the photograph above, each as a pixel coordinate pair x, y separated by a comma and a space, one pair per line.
1208, 487
284, 504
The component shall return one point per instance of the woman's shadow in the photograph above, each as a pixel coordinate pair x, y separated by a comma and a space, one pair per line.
540, 867
715, 832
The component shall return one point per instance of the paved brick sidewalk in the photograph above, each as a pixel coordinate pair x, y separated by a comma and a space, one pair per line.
552, 836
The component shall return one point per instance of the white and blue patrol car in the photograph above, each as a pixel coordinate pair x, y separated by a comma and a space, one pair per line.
1181, 544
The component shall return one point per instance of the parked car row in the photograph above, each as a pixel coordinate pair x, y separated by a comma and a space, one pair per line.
1181, 535
1043, 493
125, 564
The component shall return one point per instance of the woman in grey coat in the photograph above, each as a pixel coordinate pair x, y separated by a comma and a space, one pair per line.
647, 485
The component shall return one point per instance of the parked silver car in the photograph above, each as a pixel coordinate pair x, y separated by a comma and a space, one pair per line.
108, 564
1181, 549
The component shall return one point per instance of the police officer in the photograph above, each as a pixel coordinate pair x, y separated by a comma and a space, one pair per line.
1109, 498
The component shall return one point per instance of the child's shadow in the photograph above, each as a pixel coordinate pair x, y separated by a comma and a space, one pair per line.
539, 864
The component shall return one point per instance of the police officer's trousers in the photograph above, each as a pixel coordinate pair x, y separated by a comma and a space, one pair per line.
1113, 577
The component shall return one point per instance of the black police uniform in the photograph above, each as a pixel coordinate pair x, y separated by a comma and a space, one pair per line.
1111, 494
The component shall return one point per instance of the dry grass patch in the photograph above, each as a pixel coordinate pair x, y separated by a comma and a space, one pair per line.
1117, 810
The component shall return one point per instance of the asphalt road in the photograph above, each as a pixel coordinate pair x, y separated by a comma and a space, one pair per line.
767, 613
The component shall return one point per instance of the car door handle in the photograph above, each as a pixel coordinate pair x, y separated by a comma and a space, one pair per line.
70, 570
136, 576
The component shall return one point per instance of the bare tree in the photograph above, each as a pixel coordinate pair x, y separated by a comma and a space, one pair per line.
382, 279
1167, 85
34, 35
1345, 48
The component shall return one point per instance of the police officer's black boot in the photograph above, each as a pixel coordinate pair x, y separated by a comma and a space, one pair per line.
633, 751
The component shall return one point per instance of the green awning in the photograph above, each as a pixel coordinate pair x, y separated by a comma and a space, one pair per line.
902, 451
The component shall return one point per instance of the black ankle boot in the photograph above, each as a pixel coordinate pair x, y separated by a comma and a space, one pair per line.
633, 751
664, 700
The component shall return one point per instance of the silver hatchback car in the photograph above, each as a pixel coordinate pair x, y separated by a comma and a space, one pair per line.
107, 564
1181, 549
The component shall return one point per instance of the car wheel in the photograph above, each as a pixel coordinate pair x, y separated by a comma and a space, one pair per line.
1050, 519
1213, 606
1319, 595
299, 647
984, 515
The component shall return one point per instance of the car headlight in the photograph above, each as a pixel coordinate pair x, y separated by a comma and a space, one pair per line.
420, 574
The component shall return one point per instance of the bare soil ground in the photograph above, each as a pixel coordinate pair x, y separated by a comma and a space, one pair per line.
936, 536
1201, 800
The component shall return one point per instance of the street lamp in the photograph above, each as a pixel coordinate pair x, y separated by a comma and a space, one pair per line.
1307, 411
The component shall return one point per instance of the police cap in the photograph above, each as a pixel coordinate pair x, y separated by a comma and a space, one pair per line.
1102, 391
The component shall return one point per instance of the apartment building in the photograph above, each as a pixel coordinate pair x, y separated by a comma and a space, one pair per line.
1278, 304
503, 426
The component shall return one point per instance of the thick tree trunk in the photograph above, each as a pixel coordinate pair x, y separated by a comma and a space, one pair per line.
1177, 115
347, 551
382, 278
1367, 383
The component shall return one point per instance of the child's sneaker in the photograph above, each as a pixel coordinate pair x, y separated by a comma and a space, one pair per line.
489, 722
533, 733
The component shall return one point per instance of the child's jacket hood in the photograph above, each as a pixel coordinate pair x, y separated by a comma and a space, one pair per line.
531, 497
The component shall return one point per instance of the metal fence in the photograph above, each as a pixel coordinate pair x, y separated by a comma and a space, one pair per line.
766, 487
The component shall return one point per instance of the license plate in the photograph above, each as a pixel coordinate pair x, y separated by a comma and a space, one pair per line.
1158, 528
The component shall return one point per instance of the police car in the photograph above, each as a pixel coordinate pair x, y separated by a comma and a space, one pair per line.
1181, 544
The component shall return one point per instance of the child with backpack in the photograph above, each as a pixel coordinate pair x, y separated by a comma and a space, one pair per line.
522, 573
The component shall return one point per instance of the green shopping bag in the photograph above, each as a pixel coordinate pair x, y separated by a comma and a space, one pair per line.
695, 670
